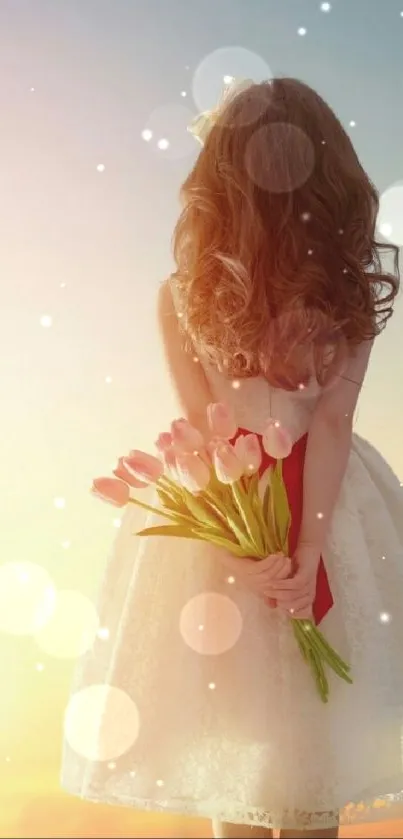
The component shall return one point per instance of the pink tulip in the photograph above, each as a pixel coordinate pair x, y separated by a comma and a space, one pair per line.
227, 465
113, 491
247, 449
122, 473
276, 440
185, 437
193, 474
164, 441
145, 467
221, 421
169, 461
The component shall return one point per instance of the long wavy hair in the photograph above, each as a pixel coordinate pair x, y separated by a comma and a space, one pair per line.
278, 269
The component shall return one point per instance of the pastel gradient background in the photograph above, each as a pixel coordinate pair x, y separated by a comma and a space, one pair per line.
87, 207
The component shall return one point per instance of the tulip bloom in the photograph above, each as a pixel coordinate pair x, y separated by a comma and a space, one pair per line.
276, 440
185, 437
193, 474
227, 465
122, 473
164, 441
221, 421
145, 467
247, 449
169, 461
112, 490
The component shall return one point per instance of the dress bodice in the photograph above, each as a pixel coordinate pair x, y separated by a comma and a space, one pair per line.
254, 401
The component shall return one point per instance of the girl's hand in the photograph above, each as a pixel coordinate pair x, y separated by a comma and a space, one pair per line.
259, 575
296, 595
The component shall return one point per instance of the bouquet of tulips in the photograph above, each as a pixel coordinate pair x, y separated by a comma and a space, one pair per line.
214, 492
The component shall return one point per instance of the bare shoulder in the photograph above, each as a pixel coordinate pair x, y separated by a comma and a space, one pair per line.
165, 301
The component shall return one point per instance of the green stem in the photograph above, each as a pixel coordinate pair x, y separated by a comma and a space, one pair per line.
151, 509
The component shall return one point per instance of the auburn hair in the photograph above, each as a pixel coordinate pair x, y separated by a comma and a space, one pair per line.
278, 270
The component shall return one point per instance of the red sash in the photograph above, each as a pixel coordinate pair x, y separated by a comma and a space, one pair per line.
293, 468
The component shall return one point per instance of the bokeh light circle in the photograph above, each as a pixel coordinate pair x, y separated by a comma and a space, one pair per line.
219, 66
27, 597
210, 623
166, 131
280, 157
390, 216
101, 722
72, 627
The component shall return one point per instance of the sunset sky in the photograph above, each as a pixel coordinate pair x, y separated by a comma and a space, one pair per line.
87, 208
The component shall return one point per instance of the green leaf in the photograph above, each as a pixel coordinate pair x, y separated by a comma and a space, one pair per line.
169, 530
242, 501
280, 507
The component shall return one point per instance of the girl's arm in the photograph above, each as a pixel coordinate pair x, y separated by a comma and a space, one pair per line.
328, 448
188, 377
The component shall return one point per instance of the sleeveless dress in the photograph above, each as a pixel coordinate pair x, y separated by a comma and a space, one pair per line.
194, 698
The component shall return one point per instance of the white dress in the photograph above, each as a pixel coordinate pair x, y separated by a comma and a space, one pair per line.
205, 707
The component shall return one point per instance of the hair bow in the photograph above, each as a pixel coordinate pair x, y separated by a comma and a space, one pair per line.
202, 124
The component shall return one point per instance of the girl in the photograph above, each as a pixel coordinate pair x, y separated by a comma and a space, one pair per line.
274, 307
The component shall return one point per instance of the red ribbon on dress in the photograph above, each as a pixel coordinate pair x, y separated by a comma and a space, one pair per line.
293, 472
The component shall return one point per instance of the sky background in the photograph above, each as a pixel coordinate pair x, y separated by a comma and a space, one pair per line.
87, 209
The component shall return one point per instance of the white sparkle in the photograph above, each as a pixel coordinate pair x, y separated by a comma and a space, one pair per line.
117, 522
352, 123
302, 31
301, 386
147, 135
160, 783
100, 167
228, 79
323, 142
163, 144
183, 93
62, 285
277, 424
230, 580
385, 617
103, 633
319, 515
341, 231
306, 217
59, 503
32, 89
195, 359
345, 270
401, 483
211, 685
325, 7
201, 627
132, 773
8, 759
40, 667
46, 321
112, 765
310, 252
108, 380
383, 557
386, 229
236, 384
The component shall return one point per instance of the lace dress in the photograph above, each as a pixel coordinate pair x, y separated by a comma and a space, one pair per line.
198, 701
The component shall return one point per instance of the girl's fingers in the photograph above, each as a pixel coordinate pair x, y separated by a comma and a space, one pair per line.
271, 602
279, 569
296, 604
